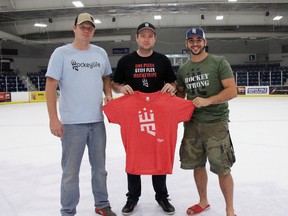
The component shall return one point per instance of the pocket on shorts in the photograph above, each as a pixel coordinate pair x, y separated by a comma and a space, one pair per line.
228, 153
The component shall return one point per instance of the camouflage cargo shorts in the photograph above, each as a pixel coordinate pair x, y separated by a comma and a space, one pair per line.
202, 141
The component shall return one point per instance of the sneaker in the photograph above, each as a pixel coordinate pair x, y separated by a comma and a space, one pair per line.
129, 207
167, 207
106, 211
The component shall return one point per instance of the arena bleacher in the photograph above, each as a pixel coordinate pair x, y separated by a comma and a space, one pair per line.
11, 82
245, 75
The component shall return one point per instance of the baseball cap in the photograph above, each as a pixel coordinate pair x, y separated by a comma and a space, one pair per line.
146, 25
195, 31
84, 17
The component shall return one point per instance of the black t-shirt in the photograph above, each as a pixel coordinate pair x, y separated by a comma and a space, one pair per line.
145, 74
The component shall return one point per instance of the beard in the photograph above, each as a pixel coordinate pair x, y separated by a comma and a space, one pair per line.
196, 53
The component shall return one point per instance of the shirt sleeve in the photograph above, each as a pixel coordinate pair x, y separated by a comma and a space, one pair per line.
55, 65
113, 111
119, 75
170, 75
108, 68
225, 70
184, 109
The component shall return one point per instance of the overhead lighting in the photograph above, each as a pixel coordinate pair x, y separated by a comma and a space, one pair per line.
232, 0
157, 17
172, 4
97, 21
219, 17
277, 17
41, 25
78, 4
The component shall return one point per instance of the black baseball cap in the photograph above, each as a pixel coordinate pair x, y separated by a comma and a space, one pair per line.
146, 25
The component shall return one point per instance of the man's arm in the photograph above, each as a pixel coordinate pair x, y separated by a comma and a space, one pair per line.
51, 101
107, 89
229, 92
181, 91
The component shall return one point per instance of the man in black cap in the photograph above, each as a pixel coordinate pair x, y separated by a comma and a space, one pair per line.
146, 71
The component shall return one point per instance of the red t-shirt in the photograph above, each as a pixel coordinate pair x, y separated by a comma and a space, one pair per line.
149, 123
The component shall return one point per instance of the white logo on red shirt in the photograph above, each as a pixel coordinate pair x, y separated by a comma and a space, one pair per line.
147, 121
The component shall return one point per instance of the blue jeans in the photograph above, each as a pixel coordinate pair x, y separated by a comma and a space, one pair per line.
74, 141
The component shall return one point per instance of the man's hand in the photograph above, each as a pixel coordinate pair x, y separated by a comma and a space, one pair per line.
107, 99
201, 102
169, 89
125, 89
56, 128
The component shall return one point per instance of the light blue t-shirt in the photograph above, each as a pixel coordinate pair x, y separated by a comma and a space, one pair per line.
79, 73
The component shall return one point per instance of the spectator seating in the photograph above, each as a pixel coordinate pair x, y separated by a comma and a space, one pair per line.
38, 79
245, 75
10, 82
260, 74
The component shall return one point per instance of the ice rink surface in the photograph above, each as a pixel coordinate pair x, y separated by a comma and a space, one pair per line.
30, 165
